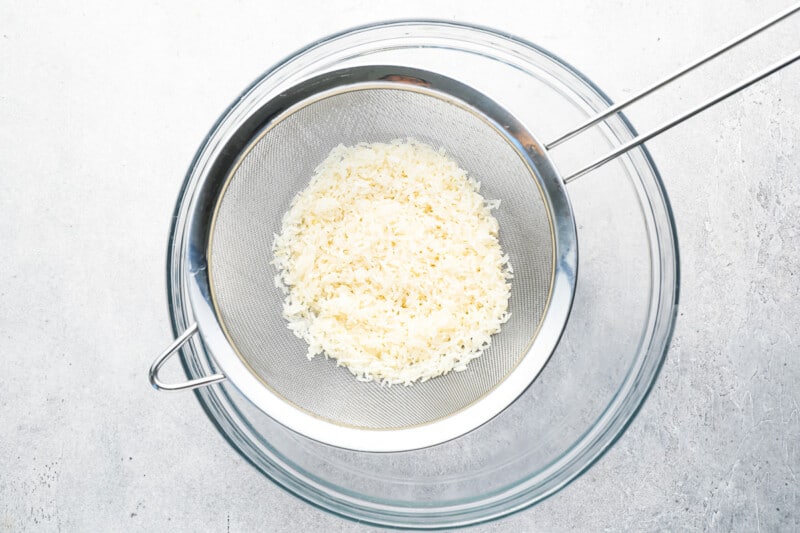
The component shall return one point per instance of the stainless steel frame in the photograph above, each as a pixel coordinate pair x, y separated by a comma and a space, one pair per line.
250, 116
254, 112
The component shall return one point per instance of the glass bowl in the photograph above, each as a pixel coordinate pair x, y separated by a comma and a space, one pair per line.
614, 342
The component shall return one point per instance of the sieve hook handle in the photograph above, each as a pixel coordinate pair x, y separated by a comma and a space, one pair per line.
169, 352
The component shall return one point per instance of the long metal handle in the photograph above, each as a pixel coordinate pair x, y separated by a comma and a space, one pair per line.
689, 114
169, 352
672, 77
708, 103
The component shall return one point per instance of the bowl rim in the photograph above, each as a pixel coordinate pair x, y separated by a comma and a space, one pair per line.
497, 506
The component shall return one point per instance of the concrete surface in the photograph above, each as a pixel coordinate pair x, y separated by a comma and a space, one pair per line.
101, 109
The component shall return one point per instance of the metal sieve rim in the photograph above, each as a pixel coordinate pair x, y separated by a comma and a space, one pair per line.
214, 179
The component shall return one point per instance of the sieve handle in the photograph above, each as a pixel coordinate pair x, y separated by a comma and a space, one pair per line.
169, 352
614, 109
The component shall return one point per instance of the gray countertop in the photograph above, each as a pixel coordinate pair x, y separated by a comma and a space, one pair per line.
101, 109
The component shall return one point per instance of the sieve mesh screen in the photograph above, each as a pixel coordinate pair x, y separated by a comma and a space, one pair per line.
280, 162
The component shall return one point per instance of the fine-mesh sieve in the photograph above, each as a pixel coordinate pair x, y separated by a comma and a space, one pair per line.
245, 189
243, 204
